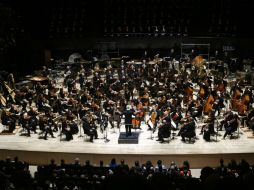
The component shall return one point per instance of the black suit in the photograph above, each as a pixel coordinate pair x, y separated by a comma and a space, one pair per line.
89, 130
128, 120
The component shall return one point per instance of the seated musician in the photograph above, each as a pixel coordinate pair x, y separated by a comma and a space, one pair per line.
164, 130
89, 128
188, 129
8, 120
70, 116
66, 130
250, 120
50, 117
24, 121
208, 128
33, 121
227, 117
231, 126
48, 125
219, 103
176, 116
196, 111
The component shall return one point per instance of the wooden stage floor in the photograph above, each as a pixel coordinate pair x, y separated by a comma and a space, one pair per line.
200, 154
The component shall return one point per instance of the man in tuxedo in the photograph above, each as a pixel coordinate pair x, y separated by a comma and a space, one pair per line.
128, 119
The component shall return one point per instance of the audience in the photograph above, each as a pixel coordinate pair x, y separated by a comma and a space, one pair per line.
15, 174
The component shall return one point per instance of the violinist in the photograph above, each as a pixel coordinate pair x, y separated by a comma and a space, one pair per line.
66, 130
208, 129
188, 129
24, 121
89, 127
48, 124
33, 121
196, 110
8, 121
164, 129
176, 116
231, 125
117, 115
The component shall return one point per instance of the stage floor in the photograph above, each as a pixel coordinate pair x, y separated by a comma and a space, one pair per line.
201, 153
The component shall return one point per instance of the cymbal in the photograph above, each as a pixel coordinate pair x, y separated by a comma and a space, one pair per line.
39, 78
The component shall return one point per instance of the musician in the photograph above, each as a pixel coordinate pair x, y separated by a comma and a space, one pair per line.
8, 120
24, 121
164, 130
116, 116
48, 125
227, 117
208, 129
231, 125
81, 80
33, 121
66, 130
70, 116
196, 111
128, 113
89, 127
176, 116
219, 103
250, 120
188, 129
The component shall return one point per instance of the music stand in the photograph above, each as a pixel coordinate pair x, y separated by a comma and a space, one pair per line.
106, 140
79, 122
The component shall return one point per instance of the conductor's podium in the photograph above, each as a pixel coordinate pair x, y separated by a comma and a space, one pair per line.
132, 139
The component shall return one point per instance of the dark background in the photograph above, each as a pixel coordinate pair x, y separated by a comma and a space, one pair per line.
32, 32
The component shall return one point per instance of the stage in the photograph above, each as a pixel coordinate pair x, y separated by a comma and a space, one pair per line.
201, 153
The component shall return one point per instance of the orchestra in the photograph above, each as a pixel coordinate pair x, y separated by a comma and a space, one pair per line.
97, 97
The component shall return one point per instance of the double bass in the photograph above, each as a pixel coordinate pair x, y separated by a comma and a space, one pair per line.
244, 104
136, 122
235, 102
209, 104
188, 91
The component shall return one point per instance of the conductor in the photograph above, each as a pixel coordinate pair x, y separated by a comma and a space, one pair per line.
128, 119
